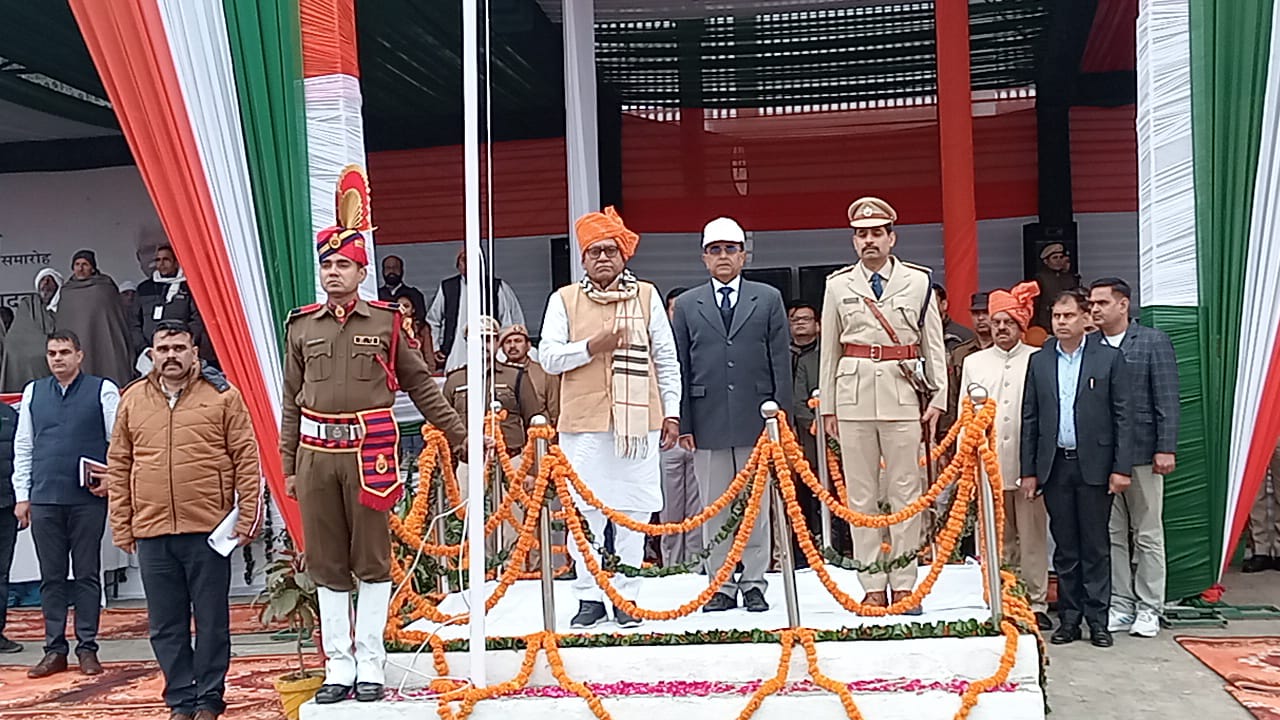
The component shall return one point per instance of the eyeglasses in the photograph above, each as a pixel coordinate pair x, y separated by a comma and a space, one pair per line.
725, 249
608, 251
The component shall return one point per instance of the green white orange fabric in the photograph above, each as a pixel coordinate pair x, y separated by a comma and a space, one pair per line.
208, 97
1209, 188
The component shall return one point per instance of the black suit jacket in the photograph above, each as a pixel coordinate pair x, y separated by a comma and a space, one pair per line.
1104, 435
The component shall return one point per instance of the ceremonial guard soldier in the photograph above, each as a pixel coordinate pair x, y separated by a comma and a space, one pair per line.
344, 361
883, 374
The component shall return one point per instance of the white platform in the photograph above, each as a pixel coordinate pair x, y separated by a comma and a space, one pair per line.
926, 675
956, 596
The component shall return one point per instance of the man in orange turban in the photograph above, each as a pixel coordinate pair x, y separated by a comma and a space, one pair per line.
1002, 371
609, 339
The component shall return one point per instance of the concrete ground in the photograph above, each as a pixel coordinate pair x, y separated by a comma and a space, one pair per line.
1135, 680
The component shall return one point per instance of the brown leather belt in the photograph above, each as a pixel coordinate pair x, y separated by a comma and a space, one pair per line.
877, 353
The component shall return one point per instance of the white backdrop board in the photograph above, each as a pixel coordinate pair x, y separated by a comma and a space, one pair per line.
49, 216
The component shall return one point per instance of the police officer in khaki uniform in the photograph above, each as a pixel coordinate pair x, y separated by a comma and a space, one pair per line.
880, 324
344, 361
520, 400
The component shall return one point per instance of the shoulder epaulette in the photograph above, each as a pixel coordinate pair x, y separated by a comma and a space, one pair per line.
842, 270
383, 305
922, 268
298, 312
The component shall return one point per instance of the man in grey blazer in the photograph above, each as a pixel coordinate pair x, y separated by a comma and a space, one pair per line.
1077, 450
1137, 520
733, 342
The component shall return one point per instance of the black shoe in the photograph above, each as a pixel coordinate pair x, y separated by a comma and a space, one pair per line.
330, 694
623, 619
368, 692
719, 603
1100, 636
1043, 622
8, 646
590, 614
1065, 634
753, 601
1257, 563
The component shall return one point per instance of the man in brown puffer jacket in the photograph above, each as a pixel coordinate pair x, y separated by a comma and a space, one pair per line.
181, 460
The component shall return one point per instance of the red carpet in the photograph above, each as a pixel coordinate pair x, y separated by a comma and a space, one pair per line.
1250, 665
27, 625
131, 691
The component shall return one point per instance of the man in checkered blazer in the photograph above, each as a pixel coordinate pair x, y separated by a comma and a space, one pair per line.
1137, 527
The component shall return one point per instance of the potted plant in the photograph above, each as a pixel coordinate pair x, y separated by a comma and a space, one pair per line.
290, 597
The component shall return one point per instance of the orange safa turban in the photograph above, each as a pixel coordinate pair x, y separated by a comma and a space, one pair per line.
596, 226
1020, 302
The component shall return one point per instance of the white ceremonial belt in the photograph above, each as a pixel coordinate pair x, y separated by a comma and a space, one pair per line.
329, 431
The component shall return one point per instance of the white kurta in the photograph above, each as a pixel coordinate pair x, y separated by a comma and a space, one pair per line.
1004, 375
630, 484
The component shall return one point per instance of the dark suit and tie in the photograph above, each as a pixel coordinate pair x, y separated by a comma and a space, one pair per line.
1073, 455
734, 345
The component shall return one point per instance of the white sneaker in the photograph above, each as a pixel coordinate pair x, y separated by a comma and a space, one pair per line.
1118, 621
1147, 624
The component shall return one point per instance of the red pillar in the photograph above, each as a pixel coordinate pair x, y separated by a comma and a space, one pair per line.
955, 135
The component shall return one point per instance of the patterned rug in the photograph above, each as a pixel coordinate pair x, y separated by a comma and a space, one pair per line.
27, 624
1250, 665
132, 691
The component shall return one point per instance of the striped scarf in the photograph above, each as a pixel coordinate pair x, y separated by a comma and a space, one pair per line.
629, 366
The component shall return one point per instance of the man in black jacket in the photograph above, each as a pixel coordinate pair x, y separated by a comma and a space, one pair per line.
8, 521
1076, 449
166, 296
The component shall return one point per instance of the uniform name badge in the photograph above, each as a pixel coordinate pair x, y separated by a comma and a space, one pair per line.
380, 483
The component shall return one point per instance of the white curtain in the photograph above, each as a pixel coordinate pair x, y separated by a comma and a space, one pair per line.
335, 139
197, 35
1166, 187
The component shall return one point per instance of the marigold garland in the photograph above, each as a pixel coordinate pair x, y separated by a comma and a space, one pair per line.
975, 461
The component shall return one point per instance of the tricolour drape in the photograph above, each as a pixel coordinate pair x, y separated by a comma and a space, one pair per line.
167, 67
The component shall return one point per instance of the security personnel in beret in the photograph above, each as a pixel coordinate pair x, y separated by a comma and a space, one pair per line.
883, 382
344, 361
501, 384
1054, 277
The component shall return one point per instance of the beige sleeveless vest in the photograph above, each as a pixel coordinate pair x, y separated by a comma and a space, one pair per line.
586, 396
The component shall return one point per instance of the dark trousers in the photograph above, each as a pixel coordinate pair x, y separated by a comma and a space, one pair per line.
75, 531
1078, 518
182, 576
8, 538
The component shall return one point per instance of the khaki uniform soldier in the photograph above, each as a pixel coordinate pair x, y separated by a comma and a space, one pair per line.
518, 398
881, 340
344, 361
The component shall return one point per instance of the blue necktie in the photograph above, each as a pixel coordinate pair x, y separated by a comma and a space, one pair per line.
726, 310
877, 285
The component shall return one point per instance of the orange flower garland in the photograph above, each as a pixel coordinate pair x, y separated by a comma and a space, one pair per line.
735, 487
754, 505
786, 462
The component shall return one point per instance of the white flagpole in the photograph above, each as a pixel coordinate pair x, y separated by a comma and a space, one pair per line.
475, 276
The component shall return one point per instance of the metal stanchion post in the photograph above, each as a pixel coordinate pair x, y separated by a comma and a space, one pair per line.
987, 509
548, 572
498, 491
438, 525
821, 435
782, 528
